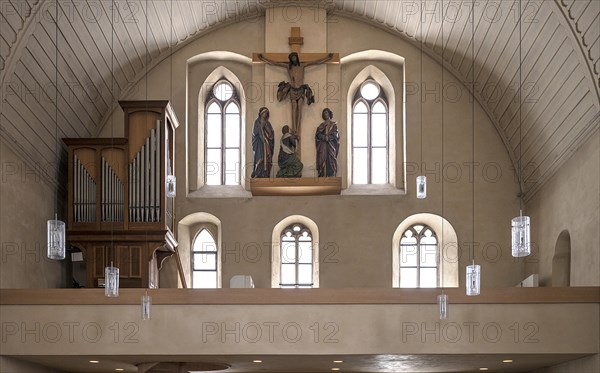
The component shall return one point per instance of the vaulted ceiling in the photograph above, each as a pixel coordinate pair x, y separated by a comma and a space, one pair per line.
96, 61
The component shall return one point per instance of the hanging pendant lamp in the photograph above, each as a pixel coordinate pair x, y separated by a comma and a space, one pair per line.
421, 187
473, 280
473, 272
111, 281
171, 186
521, 236
520, 225
443, 306
146, 304
55, 229
56, 239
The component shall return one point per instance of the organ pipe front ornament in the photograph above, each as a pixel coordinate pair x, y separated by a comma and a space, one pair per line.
119, 206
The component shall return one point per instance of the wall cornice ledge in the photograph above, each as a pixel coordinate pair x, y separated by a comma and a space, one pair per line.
324, 296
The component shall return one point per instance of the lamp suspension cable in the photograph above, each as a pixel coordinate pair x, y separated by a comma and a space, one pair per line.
146, 300
56, 228
112, 86
171, 180
171, 56
442, 147
473, 273
442, 95
442, 298
473, 126
421, 179
111, 272
520, 225
421, 90
520, 122
56, 110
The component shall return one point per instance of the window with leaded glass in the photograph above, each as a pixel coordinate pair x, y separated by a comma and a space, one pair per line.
296, 257
204, 261
370, 142
222, 135
419, 258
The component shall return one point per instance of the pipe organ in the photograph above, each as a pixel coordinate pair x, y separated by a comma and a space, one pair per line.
118, 208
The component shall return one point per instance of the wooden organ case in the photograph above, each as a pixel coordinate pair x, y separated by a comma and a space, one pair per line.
118, 208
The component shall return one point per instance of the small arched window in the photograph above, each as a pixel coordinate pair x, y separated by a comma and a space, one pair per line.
419, 258
204, 261
370, 131
223, 135
296, 253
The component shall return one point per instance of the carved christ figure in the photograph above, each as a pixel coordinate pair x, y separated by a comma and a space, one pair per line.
295, 88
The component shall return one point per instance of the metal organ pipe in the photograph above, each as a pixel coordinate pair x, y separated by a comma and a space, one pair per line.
143, 182
134, 184
84, 193
145, 179
151, 182
146, 184
159, 176
112, 194
76, 213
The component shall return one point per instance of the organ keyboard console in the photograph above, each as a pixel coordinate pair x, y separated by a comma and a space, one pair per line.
118, 208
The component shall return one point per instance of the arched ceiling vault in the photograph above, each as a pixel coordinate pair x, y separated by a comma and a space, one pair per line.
99, 59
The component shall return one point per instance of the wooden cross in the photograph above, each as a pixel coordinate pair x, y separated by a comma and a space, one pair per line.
295, 41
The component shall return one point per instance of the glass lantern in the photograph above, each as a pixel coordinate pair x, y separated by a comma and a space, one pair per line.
56, 239
443, 306
421, 187
473, 279
152, 274
171, 186
146, 304
521, 238
111, 281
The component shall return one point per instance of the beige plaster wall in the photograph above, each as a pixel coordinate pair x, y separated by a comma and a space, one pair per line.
292, 329
355, 230
570, 200
27, 201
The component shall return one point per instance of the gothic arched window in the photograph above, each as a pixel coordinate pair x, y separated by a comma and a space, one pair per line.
296, 257
419, 258
222, 164
370, 133
204, 261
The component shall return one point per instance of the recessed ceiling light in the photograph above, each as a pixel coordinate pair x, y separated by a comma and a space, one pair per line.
483, 368
507, 361
94, 361
257, 361
119, 369
338, 361
335, 368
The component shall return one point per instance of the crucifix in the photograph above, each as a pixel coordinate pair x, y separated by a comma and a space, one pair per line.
295, 89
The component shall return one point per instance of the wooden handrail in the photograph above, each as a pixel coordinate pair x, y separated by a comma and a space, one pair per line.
261, 296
